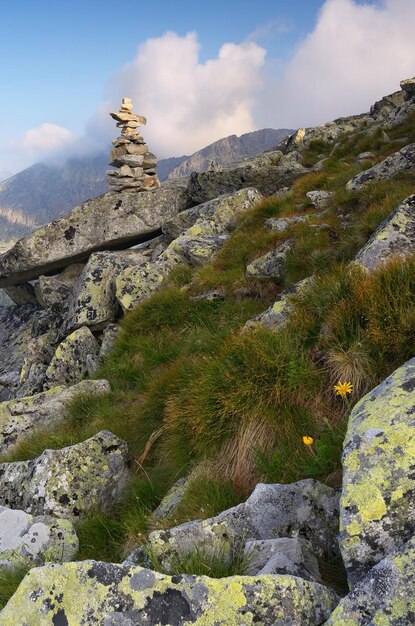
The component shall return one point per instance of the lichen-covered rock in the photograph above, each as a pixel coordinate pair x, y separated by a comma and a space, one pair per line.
328, 133
175, 226
15, 333
27, 540
70, 482
52, 293
291, 556
319, 198
91, 592
22, 294
307, 509
171, 501
270, 265
195, 246
394, 237
22, 416
38, 355
278, 313
69, 363
402, 161
377, 511
408, 88
279, 224
384, 597
109, 337
109, 221
266, 172
93, 303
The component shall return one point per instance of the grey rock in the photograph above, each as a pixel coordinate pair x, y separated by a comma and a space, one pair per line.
305, 509
395, 237
109, 337
68, 364
52, 293
20, 417
270, 265
110, 221
92, 592
382, 109
93, 303
22, 294
68, 483
377, 508
401, 161
178, 224
171, 501
39, 352
365, 156
69, 276
408, 87
32, 541
291, 556
385, 596
279, 224
319, 198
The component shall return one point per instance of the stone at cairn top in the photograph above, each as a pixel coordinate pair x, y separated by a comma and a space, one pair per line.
135, 165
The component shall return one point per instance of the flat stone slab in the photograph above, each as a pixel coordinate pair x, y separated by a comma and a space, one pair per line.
110, 221
92, 592
70, 482
27, 540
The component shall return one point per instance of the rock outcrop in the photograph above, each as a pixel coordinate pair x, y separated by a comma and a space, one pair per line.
395, 237
69, 364
95, 592
30, 541
110, 221
68, 483
19, 417
377, 510
402, 161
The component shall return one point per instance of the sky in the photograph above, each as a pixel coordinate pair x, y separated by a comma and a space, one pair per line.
198, 71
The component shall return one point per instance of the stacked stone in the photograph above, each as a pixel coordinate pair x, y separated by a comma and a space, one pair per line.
136, 165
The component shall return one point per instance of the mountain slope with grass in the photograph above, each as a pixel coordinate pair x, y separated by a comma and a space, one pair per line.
239, 347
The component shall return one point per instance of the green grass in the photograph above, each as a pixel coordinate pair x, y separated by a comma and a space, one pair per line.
10, 579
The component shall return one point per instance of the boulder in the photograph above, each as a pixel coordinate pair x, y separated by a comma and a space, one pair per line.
279, 224
319, 198
22, 294
30, 541
270, 265
39, 352
292, 556
401, 161
195, 246
305, 509
92, 592
266, 172
381, 110
377, 510
328, 133
408, 88
69, 363
15, 332
52, 293
22, 416
109, 337
278, 313
172, 500
110, 221
178, 224
384, 596
93, 303
68, 483
394, 237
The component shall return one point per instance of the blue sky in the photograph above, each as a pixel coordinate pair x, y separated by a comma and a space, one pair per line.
63, 62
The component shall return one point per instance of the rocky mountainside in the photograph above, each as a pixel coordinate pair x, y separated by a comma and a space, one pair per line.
43, 191
240, 450
230, 149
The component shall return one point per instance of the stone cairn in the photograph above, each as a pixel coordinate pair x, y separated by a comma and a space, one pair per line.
136, 166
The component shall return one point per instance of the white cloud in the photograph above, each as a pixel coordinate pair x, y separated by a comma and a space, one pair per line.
189, 103
356, 54
46, 137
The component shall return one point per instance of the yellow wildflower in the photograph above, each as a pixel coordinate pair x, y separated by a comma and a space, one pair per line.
342, 389
308, 441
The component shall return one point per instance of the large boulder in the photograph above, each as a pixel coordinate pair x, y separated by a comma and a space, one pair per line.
93, 303
27, 540
305, 509
270, 265
20, 417
385, 597
69, 363
266, 172
377, 510
52, 293
401, 161
22, 294
105, 594
110, 221
408, 88
394, 237
68, 483
286, 555
195, 246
